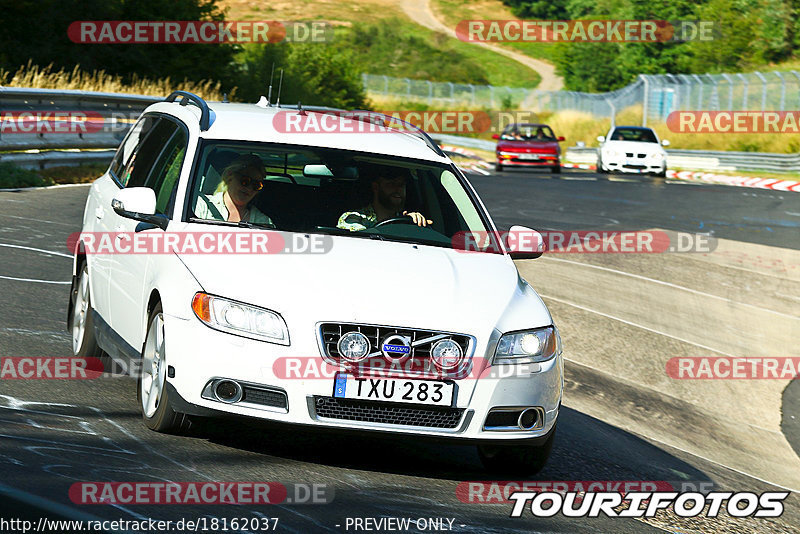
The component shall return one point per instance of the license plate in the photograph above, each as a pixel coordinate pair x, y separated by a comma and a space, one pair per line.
430, 392
528, 156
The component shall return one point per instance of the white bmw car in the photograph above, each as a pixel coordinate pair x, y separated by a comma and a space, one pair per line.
390, 328
632, 149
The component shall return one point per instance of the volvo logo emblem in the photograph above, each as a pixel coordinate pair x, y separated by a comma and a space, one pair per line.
396, 347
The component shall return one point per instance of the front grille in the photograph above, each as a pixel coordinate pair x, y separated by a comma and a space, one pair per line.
387, 413
265, 397
418, 362
637, 155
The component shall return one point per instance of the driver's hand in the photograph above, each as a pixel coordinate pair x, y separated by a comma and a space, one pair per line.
418, 218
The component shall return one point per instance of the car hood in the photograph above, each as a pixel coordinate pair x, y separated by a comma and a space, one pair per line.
634, 147
375, 282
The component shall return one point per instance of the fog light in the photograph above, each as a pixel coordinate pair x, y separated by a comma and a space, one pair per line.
446, 354
353, 346
228, 391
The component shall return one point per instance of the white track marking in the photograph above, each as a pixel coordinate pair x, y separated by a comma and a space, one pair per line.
668, 284
34, 280
639, 326
43, 251
37, 220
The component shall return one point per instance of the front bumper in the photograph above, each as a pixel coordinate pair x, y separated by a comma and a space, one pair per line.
640, 165
199, 355
521, 159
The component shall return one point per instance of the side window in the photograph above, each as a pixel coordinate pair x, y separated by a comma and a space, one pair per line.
164, 177
129, 145
145, 156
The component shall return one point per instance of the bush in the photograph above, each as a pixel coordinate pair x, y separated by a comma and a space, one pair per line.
12, 176
313, 74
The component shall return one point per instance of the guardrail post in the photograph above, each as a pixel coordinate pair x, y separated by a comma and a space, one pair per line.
763, 90
730, 91
783, 89
746, 87
645, 99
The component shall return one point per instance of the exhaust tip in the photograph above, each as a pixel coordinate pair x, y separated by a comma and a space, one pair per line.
528, 419
228, 391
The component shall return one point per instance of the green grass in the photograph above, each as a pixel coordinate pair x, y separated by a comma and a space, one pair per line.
12, 176
397, 47
454, 11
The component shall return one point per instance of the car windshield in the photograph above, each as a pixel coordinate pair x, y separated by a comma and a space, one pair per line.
643, 135
322, 190
528, 132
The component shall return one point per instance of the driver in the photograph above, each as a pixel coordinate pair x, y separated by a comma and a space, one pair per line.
388, 199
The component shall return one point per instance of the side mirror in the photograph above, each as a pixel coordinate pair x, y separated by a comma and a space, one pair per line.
664, 142
601, 138
561, 138
495, 136
139, 204
524, 243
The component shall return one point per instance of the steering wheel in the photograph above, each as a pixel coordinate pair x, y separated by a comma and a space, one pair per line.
403, 219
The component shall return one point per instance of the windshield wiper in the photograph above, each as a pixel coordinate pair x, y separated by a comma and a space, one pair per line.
240, 224
346, 233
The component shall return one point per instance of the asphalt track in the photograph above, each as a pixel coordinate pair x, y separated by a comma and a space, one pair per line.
621, 316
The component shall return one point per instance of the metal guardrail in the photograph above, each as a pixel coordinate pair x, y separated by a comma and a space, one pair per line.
47, 148
71, 149
701, 160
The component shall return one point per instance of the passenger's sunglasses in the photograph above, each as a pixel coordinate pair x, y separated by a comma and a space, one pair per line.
253, 183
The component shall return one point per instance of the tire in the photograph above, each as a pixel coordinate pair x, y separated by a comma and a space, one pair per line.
152, 393
600, 169
662, 174
498, 167
517, 460
84, 342
556, 169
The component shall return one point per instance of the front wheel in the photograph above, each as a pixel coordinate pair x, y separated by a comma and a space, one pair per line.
498, 167
517, 460
556, 169
152, 392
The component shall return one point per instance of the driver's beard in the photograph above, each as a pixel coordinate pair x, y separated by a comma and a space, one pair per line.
389, 203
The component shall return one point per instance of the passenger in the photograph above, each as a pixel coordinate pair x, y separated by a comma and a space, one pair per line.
388, 199
241, 181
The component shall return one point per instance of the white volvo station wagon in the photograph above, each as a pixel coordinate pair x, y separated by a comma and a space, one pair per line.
388, 325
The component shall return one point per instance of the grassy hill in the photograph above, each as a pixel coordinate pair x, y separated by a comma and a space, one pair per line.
383, 40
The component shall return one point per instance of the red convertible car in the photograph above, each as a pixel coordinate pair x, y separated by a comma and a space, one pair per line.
528, 145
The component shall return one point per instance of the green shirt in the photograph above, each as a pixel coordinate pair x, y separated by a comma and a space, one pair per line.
358, 220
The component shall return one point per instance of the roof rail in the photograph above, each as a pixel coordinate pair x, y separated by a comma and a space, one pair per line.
191, 98
416, 131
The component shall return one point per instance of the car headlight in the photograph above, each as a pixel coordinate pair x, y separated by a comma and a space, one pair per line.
529, 346
610, 152
657, 156
241, 319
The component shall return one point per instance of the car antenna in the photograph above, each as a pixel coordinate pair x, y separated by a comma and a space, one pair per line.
280, 84
269, 91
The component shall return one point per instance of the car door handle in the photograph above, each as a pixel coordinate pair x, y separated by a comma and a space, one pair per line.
99, 212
